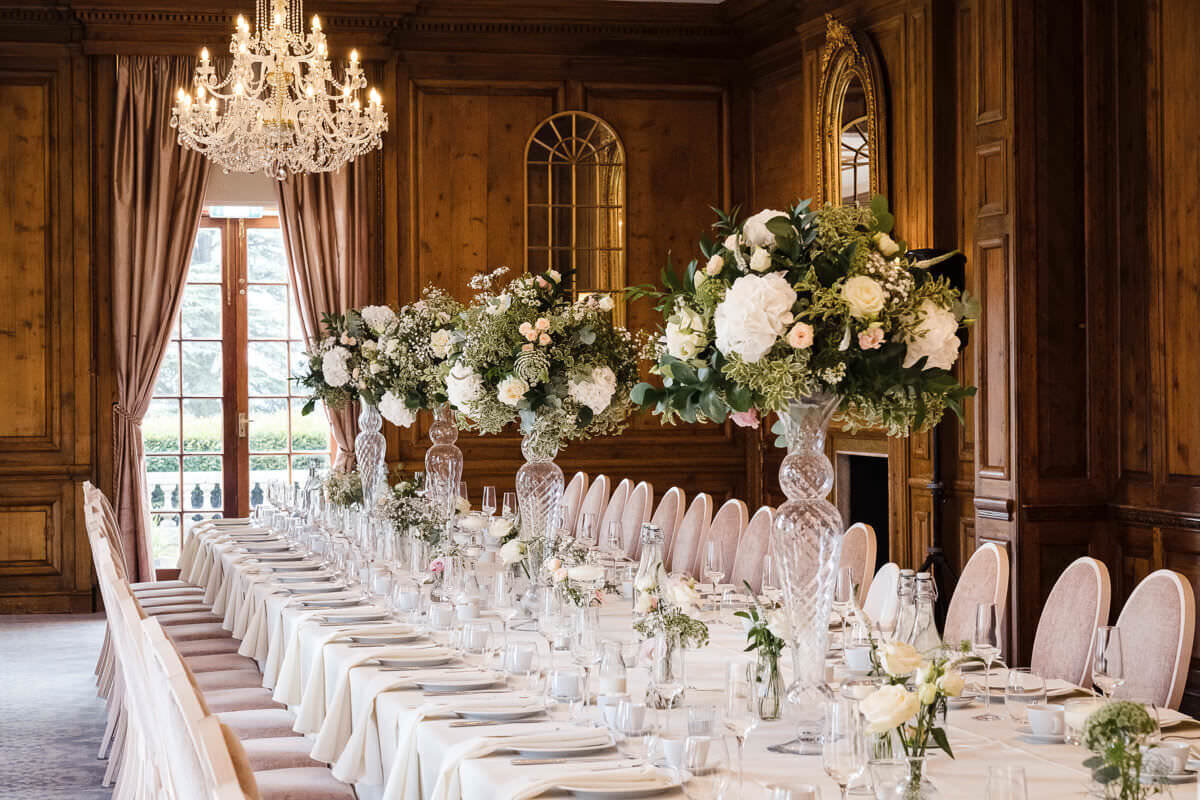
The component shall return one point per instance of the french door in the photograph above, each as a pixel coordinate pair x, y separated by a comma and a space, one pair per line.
225, 420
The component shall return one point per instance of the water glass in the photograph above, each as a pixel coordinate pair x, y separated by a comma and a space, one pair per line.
771, 588
1108, 663
441, 616
889, 778
801, 791
476, 636
702, 720
844, 746
1023, 688
706, 761
1006, 783
567, 686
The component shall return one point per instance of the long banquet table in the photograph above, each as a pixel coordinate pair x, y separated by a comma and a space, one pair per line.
325, 681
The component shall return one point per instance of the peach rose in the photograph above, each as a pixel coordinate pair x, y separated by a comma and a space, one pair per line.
800, 336
871, 338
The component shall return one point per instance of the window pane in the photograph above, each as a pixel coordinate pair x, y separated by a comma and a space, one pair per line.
160, 428
168, 372
268, 425
309, 433
265, 257
202, 483
267, 368
206, 256
200, 312
263, 471
164, 540
295, 326
203, 426
266, 309
202, 368
301, 464
162, 482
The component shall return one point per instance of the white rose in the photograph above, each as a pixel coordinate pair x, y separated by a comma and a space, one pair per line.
643, 603
500, 527
714, 266
683, 343
512, 552
885, 244
733, 242
760, 261
951, 683
888, 707
554, 275
440, 342
499, 304
511, 390
864, 296
646, 582
333, 366
378, 318
936, 338
755, 232
683, 594
900, 658
597, 392
927, 694
606, 303
463, 387
755, 312
585, 573
395, 411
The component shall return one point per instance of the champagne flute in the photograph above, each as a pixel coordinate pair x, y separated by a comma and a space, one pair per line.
587, 529
489, 500
1108, 663
740, 716
986, 644
615, 539
770, 579
843, 597
713, 567
462, 491
509, 508
844, 747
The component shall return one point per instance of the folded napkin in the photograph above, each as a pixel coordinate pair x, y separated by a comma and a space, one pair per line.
449, 787
999, 680
648, 777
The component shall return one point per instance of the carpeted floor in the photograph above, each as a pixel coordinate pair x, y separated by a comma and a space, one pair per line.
50, 717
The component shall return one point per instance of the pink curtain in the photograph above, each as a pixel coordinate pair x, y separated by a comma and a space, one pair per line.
325, 220
158, 195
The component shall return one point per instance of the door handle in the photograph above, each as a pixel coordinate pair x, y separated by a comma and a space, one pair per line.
243, 426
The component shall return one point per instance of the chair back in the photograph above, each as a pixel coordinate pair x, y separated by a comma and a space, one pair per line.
858, 553
573, 499
1078, 603
883, 599
751, 550
692, 529
667, 516
1157, 625
636, 511
983, 580
615, 508
726, 528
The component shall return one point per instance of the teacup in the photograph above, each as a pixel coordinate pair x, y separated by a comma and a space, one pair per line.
1167, 757
1045, 719
672, 749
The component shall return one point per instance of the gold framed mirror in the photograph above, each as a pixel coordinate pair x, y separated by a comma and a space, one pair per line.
575, 204
851, 129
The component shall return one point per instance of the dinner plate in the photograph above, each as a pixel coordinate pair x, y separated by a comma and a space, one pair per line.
565, 751
340, 602
460, 682
267, 548
1187, 776
387, 638
346, 619
278, 557
312, 588
295, 567
502, 711
432, 658
605, 790
303, 577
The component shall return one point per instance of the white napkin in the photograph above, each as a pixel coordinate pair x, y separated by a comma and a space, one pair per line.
618, 778
449, 787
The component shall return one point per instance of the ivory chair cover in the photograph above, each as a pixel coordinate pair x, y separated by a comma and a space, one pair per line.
726, 528
858, 553
616, 507
1157, 625
983, 580
667, 516
595, 500
752, 547
882, 601
1065, 638
692, 529
636, 511
573, 499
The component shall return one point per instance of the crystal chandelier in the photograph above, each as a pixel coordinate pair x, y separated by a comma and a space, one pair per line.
280, 110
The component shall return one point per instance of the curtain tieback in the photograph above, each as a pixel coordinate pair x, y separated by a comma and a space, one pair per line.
121, 413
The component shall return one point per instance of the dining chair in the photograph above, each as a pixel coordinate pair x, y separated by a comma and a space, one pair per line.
1078, 603
692, 529
858, 553
883, 601
667, 516
752, 547
983, 580
1157, 624
572, 499
595, 500
727, 526
636, 512
616, 507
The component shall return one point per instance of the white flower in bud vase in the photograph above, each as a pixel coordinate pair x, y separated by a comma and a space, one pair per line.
936, 338
512, 390
585, 573
755, 312
900, 658
512, 552
647, 582
779, 624
395, 411
463, 387
606, 303
644, 603
333, 366
755, 231
927, 693
378, 318
888, 707
864, 296
760, 260
715, 264
440, 342
951, 683
885, 244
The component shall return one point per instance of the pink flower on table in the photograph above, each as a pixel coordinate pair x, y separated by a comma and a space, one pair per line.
745, 419
871, 338
800, 336
437, 566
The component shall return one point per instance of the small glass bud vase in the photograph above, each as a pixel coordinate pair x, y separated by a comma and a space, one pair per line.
768, 687
668, 681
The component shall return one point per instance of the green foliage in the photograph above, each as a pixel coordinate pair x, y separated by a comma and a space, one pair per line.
1115, 733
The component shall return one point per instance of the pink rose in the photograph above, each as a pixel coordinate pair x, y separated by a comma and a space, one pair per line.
437, 565
544, 339
542, 282
745, 419
527, 347
800, 336
542, 324
871, 338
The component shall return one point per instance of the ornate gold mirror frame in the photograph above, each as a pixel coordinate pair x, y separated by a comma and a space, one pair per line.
846, 60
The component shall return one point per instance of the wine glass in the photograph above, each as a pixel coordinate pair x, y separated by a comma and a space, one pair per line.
614, 541
844, 746
1108, 667
706, 760
713, 567
509, 508
770, 578
1006, 783
740, 716
986, 645
504, 599
552, 620
587, 529
843, 597
462, 491
489, 500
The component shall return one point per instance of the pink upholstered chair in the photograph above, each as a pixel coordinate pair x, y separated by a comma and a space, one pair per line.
693, 528
595, 500
858, 553
1078, 603
636, 511
573, 498
1157, 625
616, 507
983, 580
667, 516
727, 526
751, 549
882, 601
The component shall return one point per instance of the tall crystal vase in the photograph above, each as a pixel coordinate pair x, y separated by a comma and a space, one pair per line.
808, 540
369, 450
539, 486
443, 461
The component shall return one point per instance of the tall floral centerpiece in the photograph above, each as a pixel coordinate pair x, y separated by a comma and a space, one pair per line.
810, 315
561, 369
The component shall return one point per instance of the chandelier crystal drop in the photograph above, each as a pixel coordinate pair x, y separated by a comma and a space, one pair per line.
280, 109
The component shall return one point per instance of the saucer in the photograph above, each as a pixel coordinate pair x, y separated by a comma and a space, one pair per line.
1187, 776
1039, 738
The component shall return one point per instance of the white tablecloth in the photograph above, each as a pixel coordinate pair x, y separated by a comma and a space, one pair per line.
284, 637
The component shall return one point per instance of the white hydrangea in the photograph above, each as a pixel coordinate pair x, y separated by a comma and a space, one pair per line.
754, 229
378, 318
395, 411
936, 338
463, 387
756, 311
333, 366
597, 392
